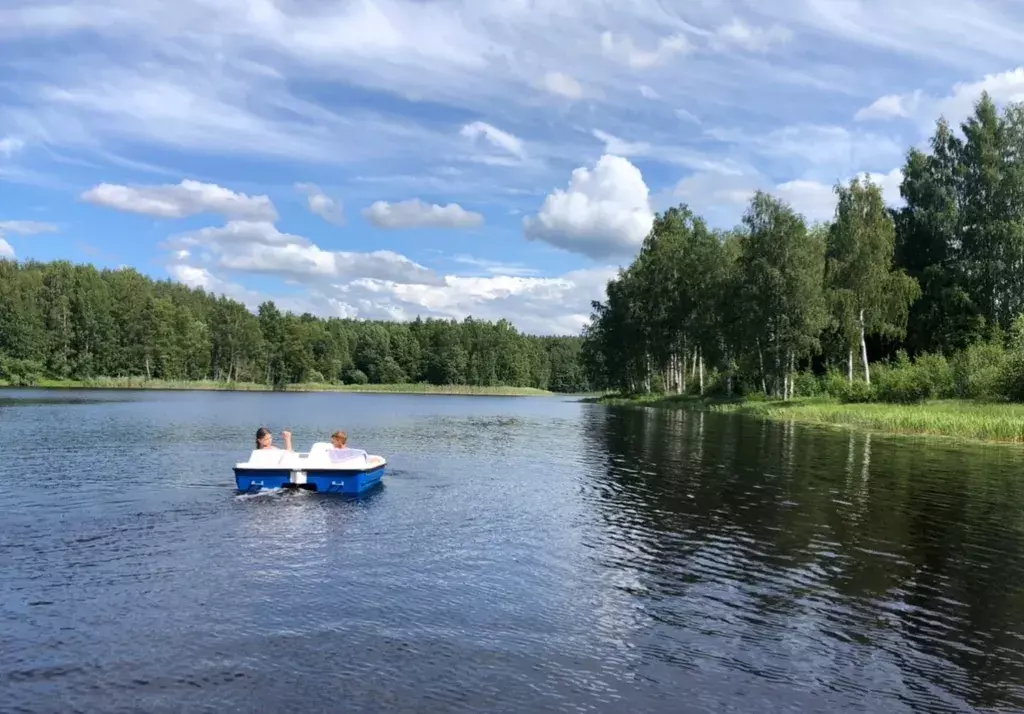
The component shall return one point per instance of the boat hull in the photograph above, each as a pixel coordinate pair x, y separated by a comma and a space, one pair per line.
326, 480
346, 482
252, 480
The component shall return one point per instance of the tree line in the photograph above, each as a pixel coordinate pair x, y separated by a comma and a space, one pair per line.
766, 305
59, 320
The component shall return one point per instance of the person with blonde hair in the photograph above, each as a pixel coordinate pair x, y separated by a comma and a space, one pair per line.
339, 439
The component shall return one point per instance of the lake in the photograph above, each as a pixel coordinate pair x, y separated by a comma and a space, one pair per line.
523, 555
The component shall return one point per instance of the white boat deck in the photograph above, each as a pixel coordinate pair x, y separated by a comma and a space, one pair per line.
322, 456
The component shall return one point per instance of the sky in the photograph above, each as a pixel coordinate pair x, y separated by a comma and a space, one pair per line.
383, 159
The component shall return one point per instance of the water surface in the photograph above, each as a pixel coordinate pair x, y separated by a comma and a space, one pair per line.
524, 554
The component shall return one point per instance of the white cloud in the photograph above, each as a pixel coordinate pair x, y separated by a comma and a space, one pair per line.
259, 247
10, 144
956, 106
667, 153
948, 33
536, 305
750, 38
563, 85
27, 228
496, 137
618, 147
558, 305
823, 151
721, 199
605, 211
189, 198
623, 50
891, 106
321, 204
649, 92
416, 214
495, 267
6, 251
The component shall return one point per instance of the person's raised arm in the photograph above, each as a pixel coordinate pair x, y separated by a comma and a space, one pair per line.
287, 439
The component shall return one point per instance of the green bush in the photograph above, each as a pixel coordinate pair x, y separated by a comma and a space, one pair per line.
807, 385
978, 371
902, 383
936, 369
20, 372
858, 392
356, 376
837, 385
315, 377
658, 383
1011, 377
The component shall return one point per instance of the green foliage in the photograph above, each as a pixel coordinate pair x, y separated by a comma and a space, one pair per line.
74, 322
940, 278
902, 383
657, 384
20, 372
937, 371
978, 371
856, 392
808, 385
356, 376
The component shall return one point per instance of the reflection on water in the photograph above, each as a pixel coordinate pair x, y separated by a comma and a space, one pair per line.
523, 555
886, 570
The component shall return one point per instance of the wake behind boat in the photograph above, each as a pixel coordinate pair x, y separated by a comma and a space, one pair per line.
324, 469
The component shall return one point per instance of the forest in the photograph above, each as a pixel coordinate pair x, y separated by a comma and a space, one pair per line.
878, 304
61, 321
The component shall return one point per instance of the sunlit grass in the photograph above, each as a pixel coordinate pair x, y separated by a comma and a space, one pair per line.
976, 421
213, 385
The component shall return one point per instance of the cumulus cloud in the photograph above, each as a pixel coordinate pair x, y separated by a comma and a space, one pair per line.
259, 247
6, 251
604, 212
623, 50
722, 199
416, 214
27, 228
9, 145
832, 149
537, 305
495, 267
556, 305
494, 136
188, 198
750, 38
891, 106
956, 106
321, 204
619, 147
563, 85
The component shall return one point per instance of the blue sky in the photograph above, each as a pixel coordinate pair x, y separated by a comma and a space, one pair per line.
383, 159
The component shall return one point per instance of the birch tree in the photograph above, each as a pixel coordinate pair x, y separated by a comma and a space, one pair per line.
870, 296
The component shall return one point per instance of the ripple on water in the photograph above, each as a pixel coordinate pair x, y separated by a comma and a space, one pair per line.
523, 555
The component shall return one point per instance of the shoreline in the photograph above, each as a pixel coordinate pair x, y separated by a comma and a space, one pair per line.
212, 386
962, 420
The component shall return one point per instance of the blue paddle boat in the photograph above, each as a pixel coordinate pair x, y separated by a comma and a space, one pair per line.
323, 469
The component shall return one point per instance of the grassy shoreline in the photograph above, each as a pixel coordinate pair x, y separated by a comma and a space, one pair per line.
218, 386
983, 422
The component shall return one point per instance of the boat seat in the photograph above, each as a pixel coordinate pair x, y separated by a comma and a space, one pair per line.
266, 457
338, 455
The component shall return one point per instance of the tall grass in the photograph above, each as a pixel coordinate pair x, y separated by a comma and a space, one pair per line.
961, 419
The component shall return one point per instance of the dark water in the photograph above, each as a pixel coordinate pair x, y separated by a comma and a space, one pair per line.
524, 555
